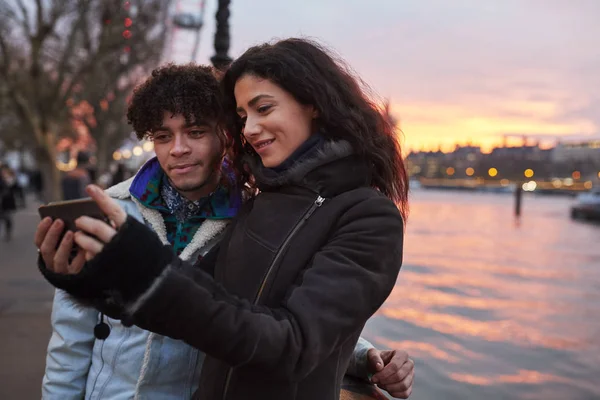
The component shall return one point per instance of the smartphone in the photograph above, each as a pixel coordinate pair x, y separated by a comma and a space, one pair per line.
68, 211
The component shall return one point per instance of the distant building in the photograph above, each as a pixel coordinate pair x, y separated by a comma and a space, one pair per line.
587, 151
428, 164
532, 153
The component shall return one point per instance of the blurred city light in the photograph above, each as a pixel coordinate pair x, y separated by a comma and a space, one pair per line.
470, 171
492, 172
148, 146
450, 171
68, 166
529, 186
137, 151
576, 175
117, 155
528, 173
126, 154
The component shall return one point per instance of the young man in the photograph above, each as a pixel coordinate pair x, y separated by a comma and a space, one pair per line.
187, 195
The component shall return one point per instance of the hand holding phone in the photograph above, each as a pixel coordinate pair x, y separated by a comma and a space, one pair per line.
91, 235
55, 236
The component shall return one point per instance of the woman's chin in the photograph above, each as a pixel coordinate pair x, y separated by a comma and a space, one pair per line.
270, 162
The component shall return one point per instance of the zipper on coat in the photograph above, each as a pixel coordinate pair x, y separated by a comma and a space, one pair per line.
316, 204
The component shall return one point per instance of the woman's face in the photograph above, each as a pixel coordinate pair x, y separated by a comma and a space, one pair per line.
275, 124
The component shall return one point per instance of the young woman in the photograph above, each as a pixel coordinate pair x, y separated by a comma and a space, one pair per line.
307, 261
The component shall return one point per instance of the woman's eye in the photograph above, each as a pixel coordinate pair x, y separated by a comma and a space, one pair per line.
264, 108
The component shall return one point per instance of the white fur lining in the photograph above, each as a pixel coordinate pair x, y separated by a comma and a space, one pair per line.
209, 229
155, 220
120, 190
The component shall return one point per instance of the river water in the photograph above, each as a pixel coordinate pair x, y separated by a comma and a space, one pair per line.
494, 308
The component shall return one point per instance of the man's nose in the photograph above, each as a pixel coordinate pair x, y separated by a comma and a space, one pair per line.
180, 145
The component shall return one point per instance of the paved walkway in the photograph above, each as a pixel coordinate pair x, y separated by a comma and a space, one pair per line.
25, 306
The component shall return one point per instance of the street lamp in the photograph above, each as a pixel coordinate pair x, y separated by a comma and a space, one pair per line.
221, 60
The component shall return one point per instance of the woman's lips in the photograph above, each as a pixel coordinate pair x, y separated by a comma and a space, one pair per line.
262, 145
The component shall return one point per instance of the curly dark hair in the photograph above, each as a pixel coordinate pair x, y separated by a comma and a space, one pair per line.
190, 90
345, 112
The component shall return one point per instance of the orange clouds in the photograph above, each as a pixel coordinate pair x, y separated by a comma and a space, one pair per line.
428, 125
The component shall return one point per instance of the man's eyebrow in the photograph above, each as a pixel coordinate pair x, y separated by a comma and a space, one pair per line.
254, 100
200, 122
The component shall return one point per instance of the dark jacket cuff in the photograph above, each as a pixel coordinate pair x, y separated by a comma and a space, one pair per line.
122, 271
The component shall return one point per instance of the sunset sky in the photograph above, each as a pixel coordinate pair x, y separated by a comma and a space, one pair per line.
455, 71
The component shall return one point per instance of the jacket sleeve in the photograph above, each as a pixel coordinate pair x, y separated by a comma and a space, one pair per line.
348, 280
358, 366
70, 349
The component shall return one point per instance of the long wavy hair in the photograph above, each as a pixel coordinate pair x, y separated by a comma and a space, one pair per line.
345, 111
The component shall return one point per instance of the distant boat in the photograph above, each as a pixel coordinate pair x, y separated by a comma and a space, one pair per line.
587, 206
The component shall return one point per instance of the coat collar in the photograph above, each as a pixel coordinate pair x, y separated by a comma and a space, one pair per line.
333, 168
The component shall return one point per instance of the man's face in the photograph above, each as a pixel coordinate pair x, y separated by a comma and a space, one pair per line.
189, 154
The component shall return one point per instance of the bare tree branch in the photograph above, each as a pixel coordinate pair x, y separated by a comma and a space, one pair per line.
4, 66
78, 27
8, 12
25, 15
104, 51
56, 11
40, 15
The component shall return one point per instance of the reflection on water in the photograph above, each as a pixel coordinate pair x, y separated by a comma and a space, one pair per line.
492, 308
